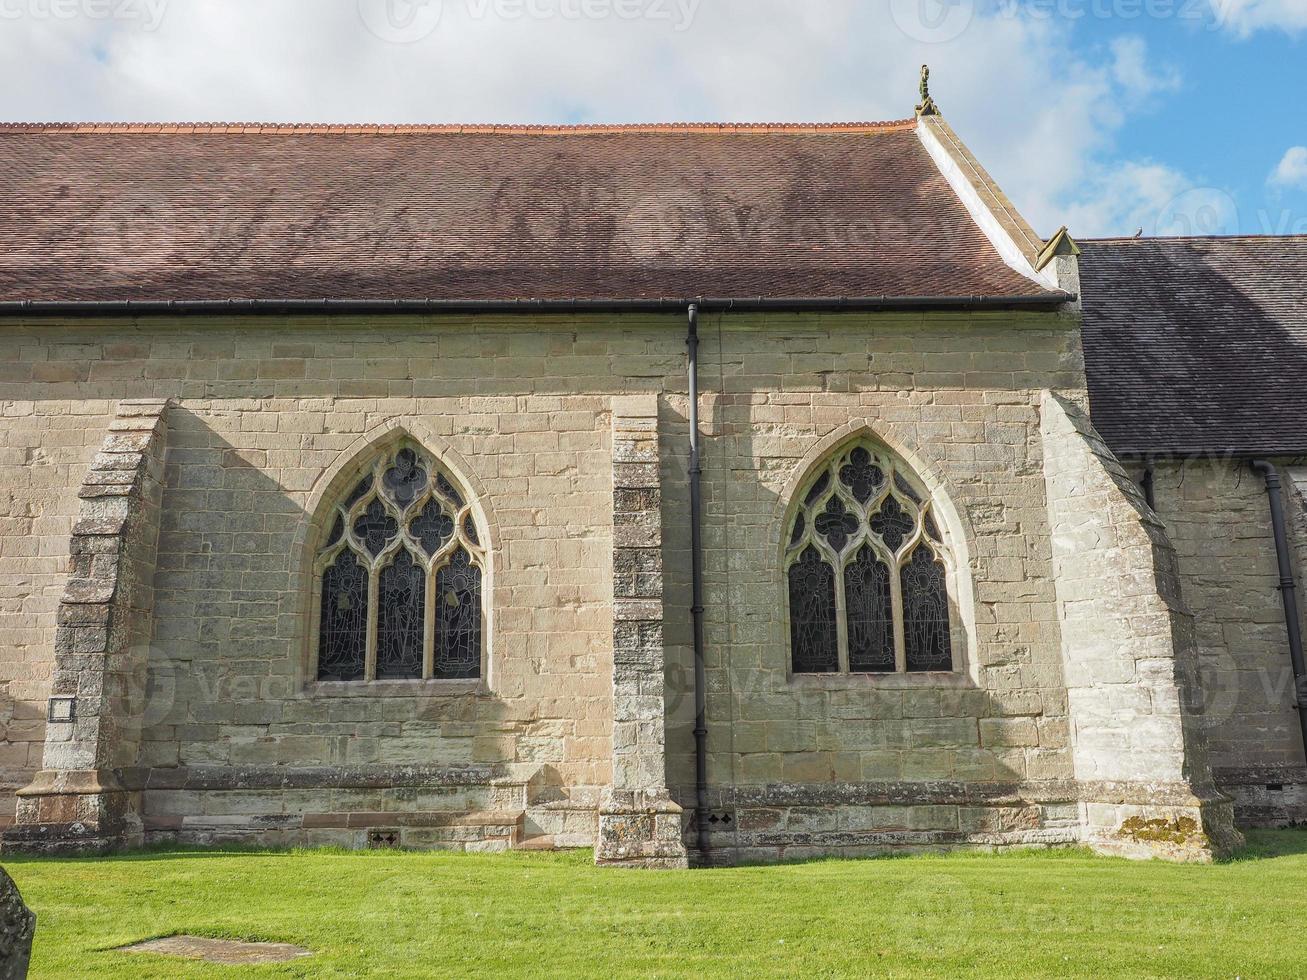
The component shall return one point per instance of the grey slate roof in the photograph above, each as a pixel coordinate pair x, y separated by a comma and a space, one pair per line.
1197, 345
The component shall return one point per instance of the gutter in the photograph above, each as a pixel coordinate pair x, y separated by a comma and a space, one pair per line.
697, 607
757, 304
1288, 590
1144, 456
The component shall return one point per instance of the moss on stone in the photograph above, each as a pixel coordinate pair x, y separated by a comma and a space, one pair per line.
1185, 830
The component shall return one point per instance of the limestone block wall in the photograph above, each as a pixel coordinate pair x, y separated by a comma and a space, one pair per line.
105, 620
639, 824
522, 417
237, 741
46, 446
855, 764
1217, 515
1138, 744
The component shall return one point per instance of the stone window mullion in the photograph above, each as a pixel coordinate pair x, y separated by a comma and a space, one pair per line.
896, 603
429, 627
841, 616
374, 592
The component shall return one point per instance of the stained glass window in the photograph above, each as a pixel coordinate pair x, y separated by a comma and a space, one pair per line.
359, 493
863, 477
866, 570
433, 528
893, 524
870, 612
812, 615
836, 524
447, 490
342, 633
458, 619
925, 613
402, 574
376, 528
401, 615
406, 479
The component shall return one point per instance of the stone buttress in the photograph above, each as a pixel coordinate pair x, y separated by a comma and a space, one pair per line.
1137, 742
639, 823
78, 802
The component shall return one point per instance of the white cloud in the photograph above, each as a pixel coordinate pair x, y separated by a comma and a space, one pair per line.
1292, 170
1132, 70
1041, 114
1153, 198
1246, 17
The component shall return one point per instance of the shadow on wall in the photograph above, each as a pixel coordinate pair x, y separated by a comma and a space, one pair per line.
231, 681
20, 756
780, 743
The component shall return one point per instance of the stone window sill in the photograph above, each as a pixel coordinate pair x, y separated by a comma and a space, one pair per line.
888, 682
394, 689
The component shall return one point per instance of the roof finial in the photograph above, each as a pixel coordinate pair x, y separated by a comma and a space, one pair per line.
927, 106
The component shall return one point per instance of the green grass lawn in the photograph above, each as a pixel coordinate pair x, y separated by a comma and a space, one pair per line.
390, 914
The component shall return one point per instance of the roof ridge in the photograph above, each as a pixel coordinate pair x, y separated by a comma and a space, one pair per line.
406, 129
1118, 239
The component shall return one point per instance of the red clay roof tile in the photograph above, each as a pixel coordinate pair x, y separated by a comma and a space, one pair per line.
224, 211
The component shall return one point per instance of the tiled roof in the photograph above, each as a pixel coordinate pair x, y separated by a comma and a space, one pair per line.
1197, 345
138, 212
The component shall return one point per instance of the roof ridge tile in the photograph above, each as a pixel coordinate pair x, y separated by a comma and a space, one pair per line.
496, 129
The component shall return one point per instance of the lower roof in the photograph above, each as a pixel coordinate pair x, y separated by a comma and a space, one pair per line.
1197, 345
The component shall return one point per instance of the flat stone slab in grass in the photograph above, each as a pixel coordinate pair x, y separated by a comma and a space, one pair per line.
220, 950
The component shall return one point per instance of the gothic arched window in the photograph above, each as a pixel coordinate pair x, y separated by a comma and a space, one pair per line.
865, 572
402, 577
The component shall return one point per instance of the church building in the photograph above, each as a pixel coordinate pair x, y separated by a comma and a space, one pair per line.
695, 493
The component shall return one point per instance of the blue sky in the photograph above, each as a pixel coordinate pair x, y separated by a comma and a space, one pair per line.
1237, 105
1171, 116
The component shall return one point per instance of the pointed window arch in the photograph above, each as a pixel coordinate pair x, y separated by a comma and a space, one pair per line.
400, 577
867, 570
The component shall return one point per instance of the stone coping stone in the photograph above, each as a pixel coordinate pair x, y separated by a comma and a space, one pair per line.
225, 951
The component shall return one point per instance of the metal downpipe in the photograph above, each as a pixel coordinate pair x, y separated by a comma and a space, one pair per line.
697, 607
1288, 590
1149, 485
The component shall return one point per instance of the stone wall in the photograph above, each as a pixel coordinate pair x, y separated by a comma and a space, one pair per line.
1217, 514
101, 649
639, 824
235, 742
46, 445
1138, 743
801, 765
271, 413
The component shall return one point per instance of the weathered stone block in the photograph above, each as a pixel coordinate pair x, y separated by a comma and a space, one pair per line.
17, 927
